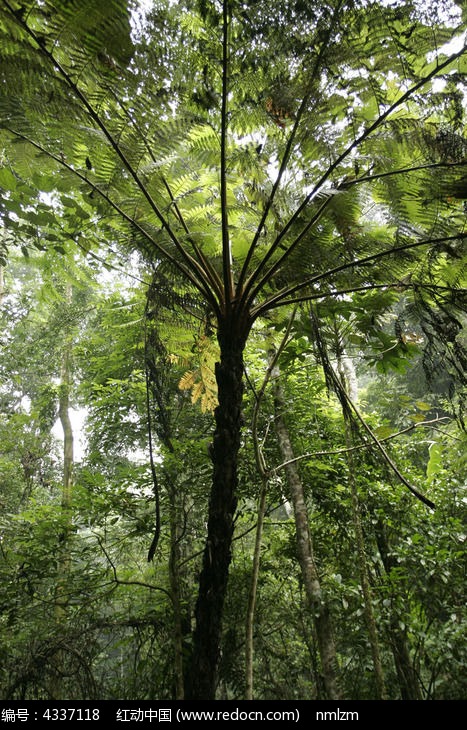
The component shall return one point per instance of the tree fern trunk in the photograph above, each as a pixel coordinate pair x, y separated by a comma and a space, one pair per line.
202, 677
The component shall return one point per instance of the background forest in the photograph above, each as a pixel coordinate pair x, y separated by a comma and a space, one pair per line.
233, 349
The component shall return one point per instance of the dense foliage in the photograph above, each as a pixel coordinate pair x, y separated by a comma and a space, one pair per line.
233, 242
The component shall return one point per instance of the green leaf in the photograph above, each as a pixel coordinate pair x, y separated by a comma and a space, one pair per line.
383, 432
435, 462
7, 179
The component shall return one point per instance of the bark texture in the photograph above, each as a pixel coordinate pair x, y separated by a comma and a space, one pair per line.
250, 613
318, 606
58, 660
202, 675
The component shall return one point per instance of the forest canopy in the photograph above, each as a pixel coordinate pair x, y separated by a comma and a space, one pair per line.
232, 263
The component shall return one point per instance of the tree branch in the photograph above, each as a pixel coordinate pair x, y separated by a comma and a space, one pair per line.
189, 262
206, 265
260, 461
275, 300
119, 582
336, 452
226, 251
314, 192
288, 149
400, 171
349, 410
200, 285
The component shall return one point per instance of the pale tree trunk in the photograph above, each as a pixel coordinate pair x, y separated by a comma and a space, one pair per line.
2, 286
66, 381
68, 456
61, 588
342, 385
263, 472
365, 583
318, 606
360, 544
174, 562
250, 614
65, 420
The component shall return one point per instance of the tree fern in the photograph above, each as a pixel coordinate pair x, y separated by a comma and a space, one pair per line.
258, 184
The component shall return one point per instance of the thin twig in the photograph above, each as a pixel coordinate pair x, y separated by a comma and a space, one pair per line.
119, 582
336, 452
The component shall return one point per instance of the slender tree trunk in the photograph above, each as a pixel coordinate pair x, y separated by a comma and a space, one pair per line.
264, 474
64, 415
250, 614
408, 682
361, 555
67, 480
174, 561
365, 585
202, 677
318, 606
158, 394
63, 570
2, 286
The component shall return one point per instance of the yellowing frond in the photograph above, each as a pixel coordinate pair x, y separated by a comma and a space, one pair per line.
187, 380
